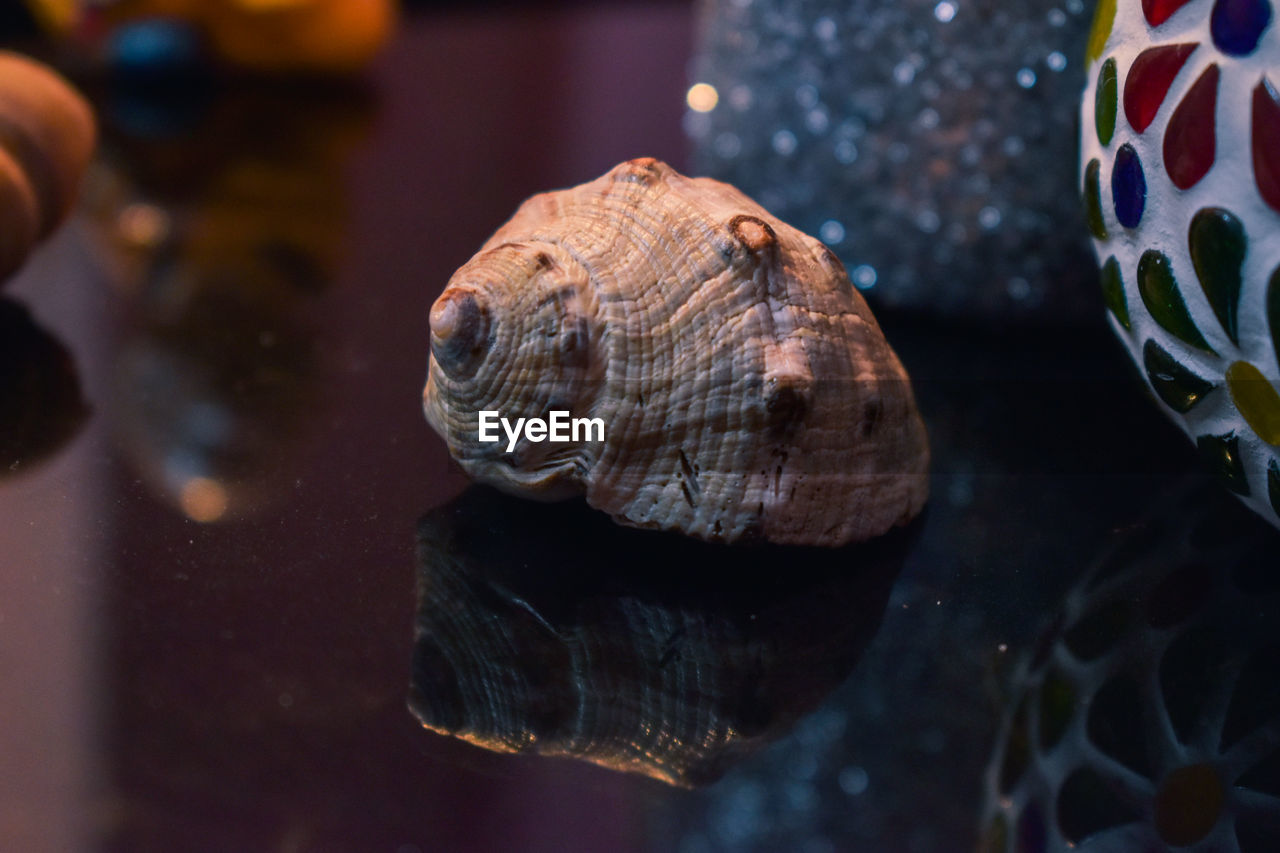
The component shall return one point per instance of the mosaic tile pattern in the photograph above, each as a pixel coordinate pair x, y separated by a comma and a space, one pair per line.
1181, 123
1144, 716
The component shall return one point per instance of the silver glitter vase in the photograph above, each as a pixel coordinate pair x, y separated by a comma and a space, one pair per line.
930, 143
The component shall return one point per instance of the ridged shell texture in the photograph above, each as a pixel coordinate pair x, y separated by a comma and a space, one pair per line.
745, 389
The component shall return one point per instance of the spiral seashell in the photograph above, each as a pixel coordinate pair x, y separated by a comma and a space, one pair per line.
744, 387
524, 645
46, 137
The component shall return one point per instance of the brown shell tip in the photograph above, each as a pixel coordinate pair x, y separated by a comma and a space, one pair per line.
642, 170
459, 327
754, 233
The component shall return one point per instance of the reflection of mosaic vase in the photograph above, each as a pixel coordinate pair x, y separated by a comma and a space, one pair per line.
1181, 154
1148, 716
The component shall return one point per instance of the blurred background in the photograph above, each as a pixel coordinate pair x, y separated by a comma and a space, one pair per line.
224, 516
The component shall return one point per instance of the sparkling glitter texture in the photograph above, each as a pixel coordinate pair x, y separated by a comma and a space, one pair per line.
940, 136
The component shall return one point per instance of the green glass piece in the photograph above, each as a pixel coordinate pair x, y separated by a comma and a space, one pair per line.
1093, 199
1057, 707
1256, 400
1222, 454
1273, 485
1160, 294
1178, 387
995, 839
1273, 310
1113, 292
1104, 102
1103, 19
1218, 247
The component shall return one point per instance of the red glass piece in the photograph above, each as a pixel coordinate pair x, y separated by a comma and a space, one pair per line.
1189, 137
1266, 142
1149, 79
1159, 11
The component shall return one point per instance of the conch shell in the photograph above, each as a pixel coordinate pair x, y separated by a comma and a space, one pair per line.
47, 134
745, 389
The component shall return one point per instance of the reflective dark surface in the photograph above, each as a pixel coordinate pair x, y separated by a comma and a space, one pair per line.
209, 585
1148, 715
41, 406
549, 629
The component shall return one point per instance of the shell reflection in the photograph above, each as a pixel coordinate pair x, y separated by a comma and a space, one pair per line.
1149, 715
547, 629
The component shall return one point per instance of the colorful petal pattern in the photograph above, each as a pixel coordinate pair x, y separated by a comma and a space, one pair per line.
1218, 247
1189, 138
1160, 294
1113, 292
1179, 388
1128, 187
1266, 142
1159, 11
1256, 399
1222, 453
1173, 92
1148, 82
1104, 102
1273, 310
1093, 199
1237, 25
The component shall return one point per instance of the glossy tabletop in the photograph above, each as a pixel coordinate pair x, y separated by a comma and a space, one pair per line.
238, 571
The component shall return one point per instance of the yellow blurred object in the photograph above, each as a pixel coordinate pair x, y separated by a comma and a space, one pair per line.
271, 5
318, 35
278, 35
259, 35
57, 16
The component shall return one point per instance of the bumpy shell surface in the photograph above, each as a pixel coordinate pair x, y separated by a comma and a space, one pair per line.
46, 136
745, 388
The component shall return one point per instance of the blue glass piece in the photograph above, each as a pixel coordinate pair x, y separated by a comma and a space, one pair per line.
153, 47
1128, 187
1237, 25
